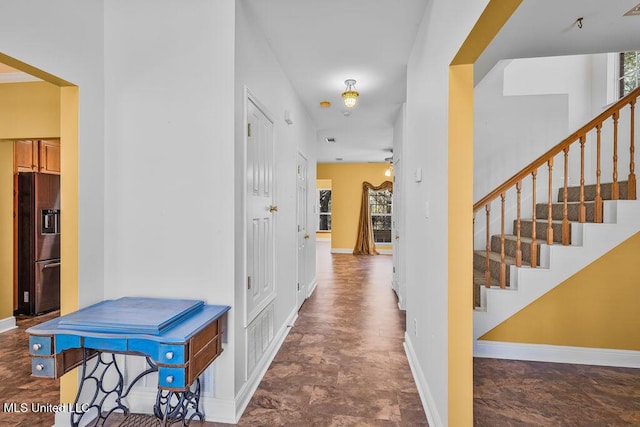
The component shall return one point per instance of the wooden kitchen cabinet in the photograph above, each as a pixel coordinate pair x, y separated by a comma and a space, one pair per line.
50, 156
33, 155
26, 155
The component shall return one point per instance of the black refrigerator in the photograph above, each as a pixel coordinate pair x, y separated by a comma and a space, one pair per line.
38, 243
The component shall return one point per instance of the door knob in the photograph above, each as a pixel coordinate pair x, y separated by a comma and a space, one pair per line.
273, 208
306, 236
397, 237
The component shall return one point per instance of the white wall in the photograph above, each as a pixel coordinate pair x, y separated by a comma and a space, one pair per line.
259, 71
523, 107
65, 38
445, 26
511, 128
169, 149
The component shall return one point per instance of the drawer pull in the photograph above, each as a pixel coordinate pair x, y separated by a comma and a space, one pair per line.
169, 355
36, 346
39, 367
169, 379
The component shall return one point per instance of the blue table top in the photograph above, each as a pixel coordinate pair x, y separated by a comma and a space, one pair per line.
131, 315
156, 319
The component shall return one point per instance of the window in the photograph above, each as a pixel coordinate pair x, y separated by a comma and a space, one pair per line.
629, 76
380, 203
324, 201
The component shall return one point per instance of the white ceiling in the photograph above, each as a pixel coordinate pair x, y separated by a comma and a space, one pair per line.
321, 43
540, 28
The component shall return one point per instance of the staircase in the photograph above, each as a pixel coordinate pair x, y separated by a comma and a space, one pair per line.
542, 224
550, 240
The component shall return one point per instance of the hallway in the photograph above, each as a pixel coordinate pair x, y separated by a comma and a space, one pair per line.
343, 362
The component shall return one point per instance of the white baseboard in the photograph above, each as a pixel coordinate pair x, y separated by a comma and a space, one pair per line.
221, 410
350, 251
557, 354
249, 388
312, 286
341, 251
428, 403
7, 324
62, 419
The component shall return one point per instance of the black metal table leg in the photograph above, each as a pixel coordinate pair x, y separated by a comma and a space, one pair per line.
94, 384
175, 406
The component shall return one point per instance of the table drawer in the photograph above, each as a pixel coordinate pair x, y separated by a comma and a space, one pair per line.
40, 346
43, 367
171, 378
203, 359
171, 354
203, 337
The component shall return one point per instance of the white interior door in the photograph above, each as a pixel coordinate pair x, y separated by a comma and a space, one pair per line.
397, 224
302, 186
261, 211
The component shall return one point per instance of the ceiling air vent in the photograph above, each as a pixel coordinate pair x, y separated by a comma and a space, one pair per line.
330, 140
634, 12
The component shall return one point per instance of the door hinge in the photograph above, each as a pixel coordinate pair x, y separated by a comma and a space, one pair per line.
26, 296
394, 269
298, 287
248, 282
248, 129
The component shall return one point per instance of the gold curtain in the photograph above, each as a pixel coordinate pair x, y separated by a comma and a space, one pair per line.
365, 244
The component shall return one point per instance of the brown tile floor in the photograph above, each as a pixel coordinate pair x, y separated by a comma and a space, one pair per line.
16, 383
518, 393
343, 364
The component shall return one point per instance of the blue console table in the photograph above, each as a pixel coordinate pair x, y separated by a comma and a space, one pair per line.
179, 338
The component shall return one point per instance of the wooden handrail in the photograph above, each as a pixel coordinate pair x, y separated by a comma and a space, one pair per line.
613, 109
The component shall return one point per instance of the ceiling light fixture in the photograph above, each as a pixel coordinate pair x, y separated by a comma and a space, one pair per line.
389, 170
633, 12
325, 104
350, 94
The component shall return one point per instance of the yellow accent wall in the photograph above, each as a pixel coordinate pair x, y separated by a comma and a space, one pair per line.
460, 209
69, 287
346, 192
6, 229
460, 248
597, 307
49, 109
29, 110
323, 184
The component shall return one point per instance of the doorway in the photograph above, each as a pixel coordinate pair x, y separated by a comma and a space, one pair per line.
261, 210
302, 191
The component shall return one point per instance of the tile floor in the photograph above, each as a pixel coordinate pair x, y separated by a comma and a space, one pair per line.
518, 393
343, 365
16, 383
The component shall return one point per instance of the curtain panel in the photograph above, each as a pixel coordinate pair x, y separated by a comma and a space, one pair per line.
365, 244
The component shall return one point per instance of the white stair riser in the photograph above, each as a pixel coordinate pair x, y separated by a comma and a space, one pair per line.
622, 219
